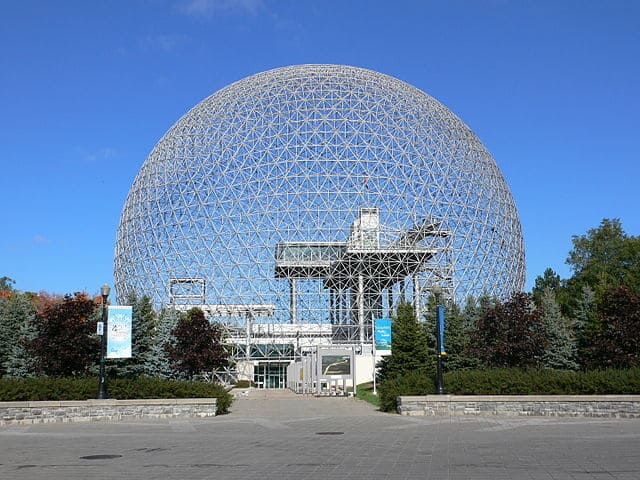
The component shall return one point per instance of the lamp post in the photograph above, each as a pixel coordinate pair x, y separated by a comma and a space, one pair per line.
102, 390
436, 289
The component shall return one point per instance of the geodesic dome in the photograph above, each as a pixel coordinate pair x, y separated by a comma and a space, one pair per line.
305, 180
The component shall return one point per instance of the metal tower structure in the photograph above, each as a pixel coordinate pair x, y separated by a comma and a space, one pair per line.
298, 204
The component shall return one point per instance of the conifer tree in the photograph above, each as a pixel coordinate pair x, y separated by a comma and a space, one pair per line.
457, 336
159, 363
560, 352
142, 337
17, 314
409, 350
584, 323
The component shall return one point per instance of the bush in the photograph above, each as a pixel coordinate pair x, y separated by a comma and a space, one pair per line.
47, 388
512, 381
412, 383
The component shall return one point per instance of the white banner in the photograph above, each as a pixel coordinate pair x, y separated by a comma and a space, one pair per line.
119, 332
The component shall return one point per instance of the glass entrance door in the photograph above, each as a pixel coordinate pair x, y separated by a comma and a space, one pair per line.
270, 375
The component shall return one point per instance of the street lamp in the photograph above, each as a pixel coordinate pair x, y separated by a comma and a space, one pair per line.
436, 289
102, 390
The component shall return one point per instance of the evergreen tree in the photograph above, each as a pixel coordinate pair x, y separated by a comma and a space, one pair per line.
142, 338
457, 338
409, 350
17, 314
584, 323
549, 280
159, 363
560, 352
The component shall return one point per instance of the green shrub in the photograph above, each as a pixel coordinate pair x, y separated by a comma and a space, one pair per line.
413, 383
48, 388
511, 381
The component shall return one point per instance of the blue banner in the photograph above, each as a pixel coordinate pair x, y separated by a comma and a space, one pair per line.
441, 328
382, 329
119, 332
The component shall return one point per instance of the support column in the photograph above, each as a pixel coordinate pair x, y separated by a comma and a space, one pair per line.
342, 306
389, 300
293, 300
248, 325
361, 308
416, 297
332, 306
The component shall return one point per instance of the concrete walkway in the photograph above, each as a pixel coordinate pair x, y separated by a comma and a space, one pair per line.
280, 435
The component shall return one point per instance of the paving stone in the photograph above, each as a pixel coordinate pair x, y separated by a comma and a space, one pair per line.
275, 435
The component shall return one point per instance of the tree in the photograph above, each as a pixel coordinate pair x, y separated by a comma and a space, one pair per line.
510, 334
17, 314
159, 363
408, 346
66, 344
560, 352
584, 323
6, 284
604, 258
616, 334
457, 335
198, 345
549, 280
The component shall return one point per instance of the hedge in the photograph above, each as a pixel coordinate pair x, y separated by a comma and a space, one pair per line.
49, 388
508, 381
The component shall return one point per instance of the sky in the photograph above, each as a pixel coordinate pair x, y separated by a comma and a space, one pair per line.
88, 87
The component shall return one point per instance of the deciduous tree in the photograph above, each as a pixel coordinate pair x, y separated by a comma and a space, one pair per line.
510, 334
605, 257
66, 344
197, 345
6, 284
615, 340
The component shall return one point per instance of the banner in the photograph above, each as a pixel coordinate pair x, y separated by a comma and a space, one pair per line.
382, 329
119, 332
441, 328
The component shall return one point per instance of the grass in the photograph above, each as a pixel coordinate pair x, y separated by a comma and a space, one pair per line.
364, 391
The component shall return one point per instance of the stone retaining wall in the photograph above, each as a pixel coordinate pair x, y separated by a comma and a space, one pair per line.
622, 406
96, 410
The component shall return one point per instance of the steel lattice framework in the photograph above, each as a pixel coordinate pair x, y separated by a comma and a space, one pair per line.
317, 195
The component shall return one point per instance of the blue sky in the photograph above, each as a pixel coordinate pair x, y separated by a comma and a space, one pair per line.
88, 87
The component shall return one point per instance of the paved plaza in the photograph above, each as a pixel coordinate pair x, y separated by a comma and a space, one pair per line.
278, 435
